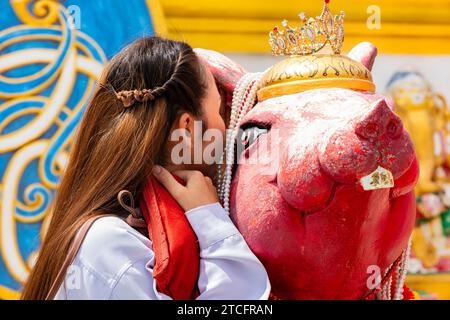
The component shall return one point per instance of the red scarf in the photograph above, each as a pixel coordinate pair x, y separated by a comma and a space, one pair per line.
177, 254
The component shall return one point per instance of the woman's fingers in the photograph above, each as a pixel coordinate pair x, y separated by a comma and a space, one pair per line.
199, 190
168, 181
187, 175
209, 181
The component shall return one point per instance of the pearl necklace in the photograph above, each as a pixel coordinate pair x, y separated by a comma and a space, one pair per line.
244, 99
401, 272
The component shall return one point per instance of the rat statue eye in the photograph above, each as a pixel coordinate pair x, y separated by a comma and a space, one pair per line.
249, 133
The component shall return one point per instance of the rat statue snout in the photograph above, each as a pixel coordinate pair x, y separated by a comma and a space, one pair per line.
377, 139
369, 148
379, 123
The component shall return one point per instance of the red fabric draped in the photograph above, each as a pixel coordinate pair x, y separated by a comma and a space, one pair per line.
177, 255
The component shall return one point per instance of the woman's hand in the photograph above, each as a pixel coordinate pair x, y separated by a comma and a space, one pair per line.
199, 190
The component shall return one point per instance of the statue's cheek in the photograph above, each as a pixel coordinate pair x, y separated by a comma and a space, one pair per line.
302, 183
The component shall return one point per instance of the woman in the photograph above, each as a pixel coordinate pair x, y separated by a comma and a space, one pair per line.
122, 140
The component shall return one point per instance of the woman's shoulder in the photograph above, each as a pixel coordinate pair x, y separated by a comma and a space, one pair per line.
110, 246
108, 228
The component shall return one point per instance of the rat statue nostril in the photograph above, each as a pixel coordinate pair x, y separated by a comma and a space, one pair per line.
379, 121
369, 131
394, 128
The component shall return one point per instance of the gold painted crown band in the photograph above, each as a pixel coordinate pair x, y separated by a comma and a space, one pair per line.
297, 86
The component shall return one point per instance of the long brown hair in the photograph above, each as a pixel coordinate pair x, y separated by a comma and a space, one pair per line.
117, 146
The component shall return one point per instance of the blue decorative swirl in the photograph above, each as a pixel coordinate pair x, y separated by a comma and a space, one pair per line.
40, 108
19, 106
35, 191
24, 86
58, 144
49, 32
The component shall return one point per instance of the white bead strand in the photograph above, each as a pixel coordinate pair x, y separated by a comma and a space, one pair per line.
244, 98
398, 294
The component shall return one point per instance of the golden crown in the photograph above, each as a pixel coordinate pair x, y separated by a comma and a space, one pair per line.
312, 36
307, 68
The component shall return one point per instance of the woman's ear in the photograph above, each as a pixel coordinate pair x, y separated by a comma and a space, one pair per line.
186, 123
181, 141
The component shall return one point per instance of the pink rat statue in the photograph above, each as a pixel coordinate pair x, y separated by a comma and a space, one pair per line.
330, 202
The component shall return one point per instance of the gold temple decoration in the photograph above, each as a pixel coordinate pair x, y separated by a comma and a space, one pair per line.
306, 68
425, 115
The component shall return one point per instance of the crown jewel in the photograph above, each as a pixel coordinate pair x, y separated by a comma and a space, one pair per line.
312, 36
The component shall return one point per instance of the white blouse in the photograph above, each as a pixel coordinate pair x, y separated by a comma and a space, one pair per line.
116, 262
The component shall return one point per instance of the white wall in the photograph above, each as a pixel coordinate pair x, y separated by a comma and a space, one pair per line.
435, 68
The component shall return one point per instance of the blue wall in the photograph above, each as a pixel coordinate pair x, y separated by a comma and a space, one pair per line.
47, 73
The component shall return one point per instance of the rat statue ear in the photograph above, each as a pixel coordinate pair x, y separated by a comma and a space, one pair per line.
226, 72
365, 52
